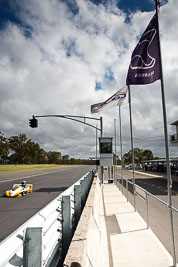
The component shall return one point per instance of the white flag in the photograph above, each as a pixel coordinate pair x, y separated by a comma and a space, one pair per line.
119, 98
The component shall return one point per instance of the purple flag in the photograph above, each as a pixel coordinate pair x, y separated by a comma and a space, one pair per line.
145, 61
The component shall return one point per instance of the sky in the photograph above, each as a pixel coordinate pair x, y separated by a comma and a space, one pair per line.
62, 56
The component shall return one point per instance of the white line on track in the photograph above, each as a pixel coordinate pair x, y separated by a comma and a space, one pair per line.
30, 176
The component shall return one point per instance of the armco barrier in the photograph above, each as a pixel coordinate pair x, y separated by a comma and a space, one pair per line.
44, 239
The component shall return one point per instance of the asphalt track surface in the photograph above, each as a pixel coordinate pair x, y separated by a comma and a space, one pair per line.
48, 184
159, 214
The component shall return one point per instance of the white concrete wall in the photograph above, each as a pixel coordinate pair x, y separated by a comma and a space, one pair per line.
84, 249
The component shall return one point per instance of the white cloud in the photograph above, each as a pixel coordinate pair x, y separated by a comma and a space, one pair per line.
55, 68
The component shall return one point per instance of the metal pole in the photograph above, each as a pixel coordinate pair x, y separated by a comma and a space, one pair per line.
66, 224
102, 168
101, 126
121, 145
77, 202
169, 182
69, 117
108, 172
115, 159
96, 141
132, 147
32, 249
127, 189
147, 209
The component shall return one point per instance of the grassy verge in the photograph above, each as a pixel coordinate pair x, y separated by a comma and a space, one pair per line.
21, 168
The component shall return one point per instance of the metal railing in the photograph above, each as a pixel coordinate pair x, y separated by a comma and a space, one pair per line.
127, 187
45, 238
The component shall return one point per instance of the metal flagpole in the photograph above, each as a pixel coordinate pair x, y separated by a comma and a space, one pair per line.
169, 182
115, 160
96, 145
101, 167
121, 145
96, 142
132, 147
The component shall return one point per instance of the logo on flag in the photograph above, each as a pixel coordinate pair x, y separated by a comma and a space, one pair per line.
119, 98
145, 62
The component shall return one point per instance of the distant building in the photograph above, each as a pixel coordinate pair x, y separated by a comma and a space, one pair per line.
174, 137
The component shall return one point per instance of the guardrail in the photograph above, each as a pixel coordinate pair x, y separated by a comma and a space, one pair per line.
44, 239
143, 194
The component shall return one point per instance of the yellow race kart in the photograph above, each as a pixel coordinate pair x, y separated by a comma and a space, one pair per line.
19, 190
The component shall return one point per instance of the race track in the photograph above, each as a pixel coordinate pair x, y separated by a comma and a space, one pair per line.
48, 184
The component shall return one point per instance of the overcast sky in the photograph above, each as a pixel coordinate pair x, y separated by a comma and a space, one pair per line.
62, 56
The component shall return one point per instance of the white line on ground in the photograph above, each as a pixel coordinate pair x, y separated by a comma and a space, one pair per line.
30, 176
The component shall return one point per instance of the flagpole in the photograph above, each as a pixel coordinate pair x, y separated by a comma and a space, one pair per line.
96, 141
115, 149
132, 146
101, 134
121, 145
169, 182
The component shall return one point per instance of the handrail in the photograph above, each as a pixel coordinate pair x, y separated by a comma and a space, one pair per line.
147, 192
145, 198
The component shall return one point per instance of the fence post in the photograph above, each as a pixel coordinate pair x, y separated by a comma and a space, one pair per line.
147, 209
77, 203
127, 189
88, 182
32, 247
66, 225
92, 175
83, 191
109, 174
119, 183
122, 184
135, 201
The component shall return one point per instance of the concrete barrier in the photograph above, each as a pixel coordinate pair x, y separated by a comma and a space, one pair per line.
84, 249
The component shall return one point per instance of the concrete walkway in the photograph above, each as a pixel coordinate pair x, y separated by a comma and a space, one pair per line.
125, 239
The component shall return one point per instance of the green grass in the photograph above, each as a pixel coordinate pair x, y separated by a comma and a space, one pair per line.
22, 167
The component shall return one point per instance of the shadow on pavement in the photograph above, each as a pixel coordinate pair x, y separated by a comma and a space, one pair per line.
51, 189
156, 186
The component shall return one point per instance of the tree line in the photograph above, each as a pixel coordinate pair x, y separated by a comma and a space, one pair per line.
21, 150
140, 155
